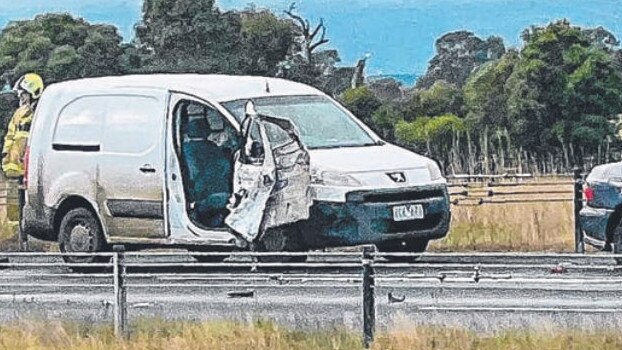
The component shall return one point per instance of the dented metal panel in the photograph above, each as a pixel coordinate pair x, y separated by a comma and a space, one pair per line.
271, 191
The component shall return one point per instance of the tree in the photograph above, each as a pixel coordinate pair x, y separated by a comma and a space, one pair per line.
485, 94
361, 102
190, 36
440, 98
384, 120
563, 84
457, 55
307, 64
59, 47
308, 39
266, 39
437, 133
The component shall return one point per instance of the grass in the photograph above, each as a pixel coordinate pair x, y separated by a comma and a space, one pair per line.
155, 335
541, 226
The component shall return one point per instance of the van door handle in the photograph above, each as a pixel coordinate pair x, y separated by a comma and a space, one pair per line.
147, 168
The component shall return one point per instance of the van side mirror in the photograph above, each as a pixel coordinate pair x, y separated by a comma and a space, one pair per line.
256, 150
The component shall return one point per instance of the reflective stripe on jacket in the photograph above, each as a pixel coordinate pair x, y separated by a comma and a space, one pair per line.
15, 142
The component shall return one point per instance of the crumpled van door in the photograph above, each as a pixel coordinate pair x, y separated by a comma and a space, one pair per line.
271, 178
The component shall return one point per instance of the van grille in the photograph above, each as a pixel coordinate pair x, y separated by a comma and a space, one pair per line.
394, 196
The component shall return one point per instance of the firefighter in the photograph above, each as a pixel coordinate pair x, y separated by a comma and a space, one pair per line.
28, 88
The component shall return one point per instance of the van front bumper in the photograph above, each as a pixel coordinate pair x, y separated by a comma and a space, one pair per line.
367, 217
594, 222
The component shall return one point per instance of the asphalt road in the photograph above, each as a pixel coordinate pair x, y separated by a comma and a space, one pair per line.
480, 293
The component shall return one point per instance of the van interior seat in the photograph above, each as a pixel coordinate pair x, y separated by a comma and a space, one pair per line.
208, 174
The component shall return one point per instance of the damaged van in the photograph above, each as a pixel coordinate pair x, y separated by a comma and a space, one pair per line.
214, 162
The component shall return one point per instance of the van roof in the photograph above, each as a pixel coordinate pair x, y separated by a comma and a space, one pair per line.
215, 87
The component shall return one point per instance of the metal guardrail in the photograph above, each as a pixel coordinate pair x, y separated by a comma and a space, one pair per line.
366, 269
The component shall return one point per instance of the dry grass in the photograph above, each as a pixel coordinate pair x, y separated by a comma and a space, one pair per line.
513, 227
155, 335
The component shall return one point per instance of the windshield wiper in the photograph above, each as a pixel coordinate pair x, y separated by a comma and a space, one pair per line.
348, 145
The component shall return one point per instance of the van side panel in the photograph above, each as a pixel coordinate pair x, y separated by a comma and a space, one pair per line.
130, 177
72, 155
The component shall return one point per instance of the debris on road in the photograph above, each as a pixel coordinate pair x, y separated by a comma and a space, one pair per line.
241, 294
559, 269
395, 299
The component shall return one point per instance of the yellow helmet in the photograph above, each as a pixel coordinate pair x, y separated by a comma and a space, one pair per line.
31, 83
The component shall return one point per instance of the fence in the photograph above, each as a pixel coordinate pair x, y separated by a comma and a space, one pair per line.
479, 190
366, 269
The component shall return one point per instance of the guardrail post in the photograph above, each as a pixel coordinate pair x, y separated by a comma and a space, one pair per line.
369, 302
579, 245
120, 292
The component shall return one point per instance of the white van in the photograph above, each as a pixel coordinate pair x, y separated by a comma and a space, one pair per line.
180, 160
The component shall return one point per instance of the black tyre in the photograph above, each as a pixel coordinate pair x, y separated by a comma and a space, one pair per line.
281, 239
399, 246
80, 232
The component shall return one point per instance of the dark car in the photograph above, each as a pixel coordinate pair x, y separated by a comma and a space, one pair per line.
602, 213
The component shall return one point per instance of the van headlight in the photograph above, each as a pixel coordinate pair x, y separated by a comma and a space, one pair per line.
435, 171
328, 178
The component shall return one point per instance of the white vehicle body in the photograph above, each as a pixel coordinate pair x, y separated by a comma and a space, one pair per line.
111, 145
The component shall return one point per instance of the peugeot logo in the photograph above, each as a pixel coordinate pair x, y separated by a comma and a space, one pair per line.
397, 177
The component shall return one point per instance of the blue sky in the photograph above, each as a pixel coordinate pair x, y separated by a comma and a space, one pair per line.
399, 34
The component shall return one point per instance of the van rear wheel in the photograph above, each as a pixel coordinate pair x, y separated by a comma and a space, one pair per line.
80, 232
401, 246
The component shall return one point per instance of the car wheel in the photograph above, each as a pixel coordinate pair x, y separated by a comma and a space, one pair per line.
80, 232
281, 239
401, 246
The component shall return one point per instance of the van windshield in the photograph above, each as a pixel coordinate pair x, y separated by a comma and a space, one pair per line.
322, 124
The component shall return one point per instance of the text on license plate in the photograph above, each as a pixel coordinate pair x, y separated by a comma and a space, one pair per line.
407, 212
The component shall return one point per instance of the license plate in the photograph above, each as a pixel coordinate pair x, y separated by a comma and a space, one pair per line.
407, 212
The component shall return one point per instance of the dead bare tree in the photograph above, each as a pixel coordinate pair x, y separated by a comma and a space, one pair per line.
309, 40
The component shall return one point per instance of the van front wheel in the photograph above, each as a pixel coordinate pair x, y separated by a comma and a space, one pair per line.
80, 232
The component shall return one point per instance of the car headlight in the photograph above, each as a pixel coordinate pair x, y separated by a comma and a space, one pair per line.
435, 171
327, 178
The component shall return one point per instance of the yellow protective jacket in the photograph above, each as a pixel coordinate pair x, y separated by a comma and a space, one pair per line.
15, 142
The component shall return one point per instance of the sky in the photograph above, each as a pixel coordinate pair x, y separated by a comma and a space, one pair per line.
398, 34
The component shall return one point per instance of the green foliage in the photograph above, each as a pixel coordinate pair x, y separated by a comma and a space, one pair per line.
412, 132
58, 47
439, 99
266, 40
362, 102
485, 96
190, 36
436, 129
562, 87
384, 119
195, 36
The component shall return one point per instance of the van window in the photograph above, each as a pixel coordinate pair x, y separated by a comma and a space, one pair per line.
133, 124
80, 122
321, 123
